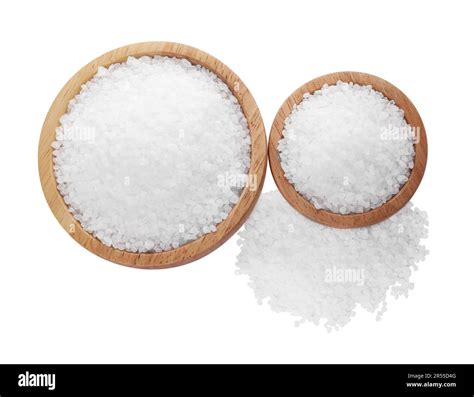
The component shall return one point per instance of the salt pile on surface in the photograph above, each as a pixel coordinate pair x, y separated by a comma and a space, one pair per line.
139, 154
321, 274
347, 148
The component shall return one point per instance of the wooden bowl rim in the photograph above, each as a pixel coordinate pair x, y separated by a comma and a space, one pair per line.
394, 204
195, 249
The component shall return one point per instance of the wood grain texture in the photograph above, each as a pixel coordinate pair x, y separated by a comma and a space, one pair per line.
195, 249
351, 220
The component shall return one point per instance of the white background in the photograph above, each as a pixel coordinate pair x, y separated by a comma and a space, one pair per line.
60, 303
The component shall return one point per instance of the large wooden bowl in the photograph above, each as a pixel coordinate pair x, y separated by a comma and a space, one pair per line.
197, 248
376, 215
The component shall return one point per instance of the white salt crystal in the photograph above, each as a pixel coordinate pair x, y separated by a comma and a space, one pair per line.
346, 138
321, 274
141, 149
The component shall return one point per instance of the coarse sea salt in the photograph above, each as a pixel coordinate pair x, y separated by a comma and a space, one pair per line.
347, 148
321, 274
140, 154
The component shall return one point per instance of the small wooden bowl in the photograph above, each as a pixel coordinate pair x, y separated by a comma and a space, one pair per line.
350, 220
197, 248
